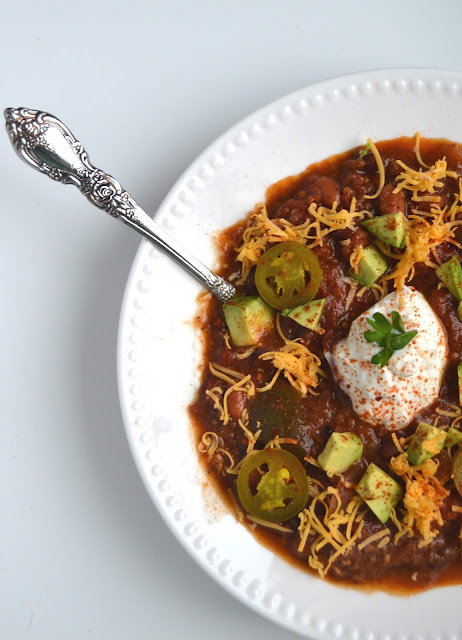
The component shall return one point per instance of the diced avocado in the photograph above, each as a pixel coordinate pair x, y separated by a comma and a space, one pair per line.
247, 317
388, 228
371, 266
459, 311
450, 274
426, 442
341, 450
459, 378
379, 491
457, 470
453, 438
308, 315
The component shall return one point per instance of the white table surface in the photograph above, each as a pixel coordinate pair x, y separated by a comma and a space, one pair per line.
146, 86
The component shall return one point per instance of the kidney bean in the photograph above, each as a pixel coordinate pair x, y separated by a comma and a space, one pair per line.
390, 202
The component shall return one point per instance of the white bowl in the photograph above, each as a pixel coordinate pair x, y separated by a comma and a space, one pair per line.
159, 351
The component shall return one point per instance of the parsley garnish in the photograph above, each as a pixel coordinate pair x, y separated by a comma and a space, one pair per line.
364, 151
391, 336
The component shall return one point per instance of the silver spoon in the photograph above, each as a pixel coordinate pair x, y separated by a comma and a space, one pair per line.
46, 144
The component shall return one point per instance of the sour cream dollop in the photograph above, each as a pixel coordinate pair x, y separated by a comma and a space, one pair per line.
411, 379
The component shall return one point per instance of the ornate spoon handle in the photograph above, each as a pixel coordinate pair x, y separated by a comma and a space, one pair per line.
46, 144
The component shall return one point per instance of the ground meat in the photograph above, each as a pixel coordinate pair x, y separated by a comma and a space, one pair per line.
357, 181
406, 553
333, 287
295, 210
388, 448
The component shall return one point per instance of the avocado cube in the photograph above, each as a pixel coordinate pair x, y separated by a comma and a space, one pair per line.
308, 315
388, 228
379, 491
459, 378
248, 318
426, 442
453, 438
371, 266
457, 470
450, 274
459, 311
341, 450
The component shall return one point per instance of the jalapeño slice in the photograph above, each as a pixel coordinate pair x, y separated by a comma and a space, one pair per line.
277, 495
288, 275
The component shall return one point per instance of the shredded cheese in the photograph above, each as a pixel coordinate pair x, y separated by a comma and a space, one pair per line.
223, 373
401, 531
270, 384
423, 181
396, 442
373, 538
239, 385
237, 382
452, 412
252, 438
327, 220
435, 256
242, 355
209, 446
231, 467
352, 509
262, 231
383, 542
417, 151
379, 290
214, 394
424, 232
353, 284
226, 338
276, 442
269, 525
387, 250
350, 297
423, 497
380, 167
312, 461
334, 529
208, 443
355, 259
301, 367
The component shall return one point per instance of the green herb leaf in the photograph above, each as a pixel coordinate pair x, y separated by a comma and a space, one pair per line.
397, 322
380, 324
392, 336
374, 336
364, 151
400, 341
382, 357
